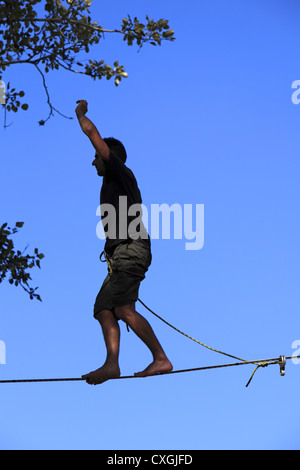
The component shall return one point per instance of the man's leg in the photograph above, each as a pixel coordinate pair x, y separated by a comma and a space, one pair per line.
111, 333
143, 330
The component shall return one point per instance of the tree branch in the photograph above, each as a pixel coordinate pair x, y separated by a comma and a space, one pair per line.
52, 108
54, 41
67, 20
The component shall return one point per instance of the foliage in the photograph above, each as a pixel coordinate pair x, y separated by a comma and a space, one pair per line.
49, 41
14, 263
54, 40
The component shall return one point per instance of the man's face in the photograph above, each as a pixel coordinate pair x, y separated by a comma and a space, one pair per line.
99, 164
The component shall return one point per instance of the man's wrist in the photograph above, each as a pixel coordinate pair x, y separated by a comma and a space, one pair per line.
79, 114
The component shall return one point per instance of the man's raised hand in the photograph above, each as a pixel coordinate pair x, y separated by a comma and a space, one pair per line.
82, 107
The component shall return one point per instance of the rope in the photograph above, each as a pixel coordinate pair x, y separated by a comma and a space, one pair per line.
190, 337
266, 362
262, 364
109, 265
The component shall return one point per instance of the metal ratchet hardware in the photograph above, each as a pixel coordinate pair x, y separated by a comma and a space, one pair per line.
282, 363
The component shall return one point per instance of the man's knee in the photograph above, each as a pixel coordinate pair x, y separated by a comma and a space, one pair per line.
125, 311
102, 315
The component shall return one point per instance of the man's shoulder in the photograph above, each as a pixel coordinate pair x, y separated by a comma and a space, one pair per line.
117, 168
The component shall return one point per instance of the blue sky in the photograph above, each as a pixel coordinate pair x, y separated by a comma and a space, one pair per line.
207, 120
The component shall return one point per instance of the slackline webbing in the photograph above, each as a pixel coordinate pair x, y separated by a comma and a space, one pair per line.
281, 361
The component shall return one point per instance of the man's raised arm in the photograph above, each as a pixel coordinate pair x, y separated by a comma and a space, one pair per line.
91, 130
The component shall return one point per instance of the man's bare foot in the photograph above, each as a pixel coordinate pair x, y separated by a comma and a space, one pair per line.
156, 367
106, 372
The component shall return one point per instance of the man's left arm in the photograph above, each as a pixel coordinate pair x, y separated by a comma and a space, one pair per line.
91, 130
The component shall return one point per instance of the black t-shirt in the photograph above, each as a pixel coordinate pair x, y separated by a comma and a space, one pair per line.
122, 219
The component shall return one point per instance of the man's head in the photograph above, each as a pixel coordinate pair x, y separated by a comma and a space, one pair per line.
117, 147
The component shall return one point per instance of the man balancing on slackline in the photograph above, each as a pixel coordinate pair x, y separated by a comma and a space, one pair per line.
128, 252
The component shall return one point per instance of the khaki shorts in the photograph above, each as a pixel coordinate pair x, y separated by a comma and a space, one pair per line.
129, 261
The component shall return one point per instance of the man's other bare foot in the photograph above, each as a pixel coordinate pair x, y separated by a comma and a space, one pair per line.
106, 372
156, 367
